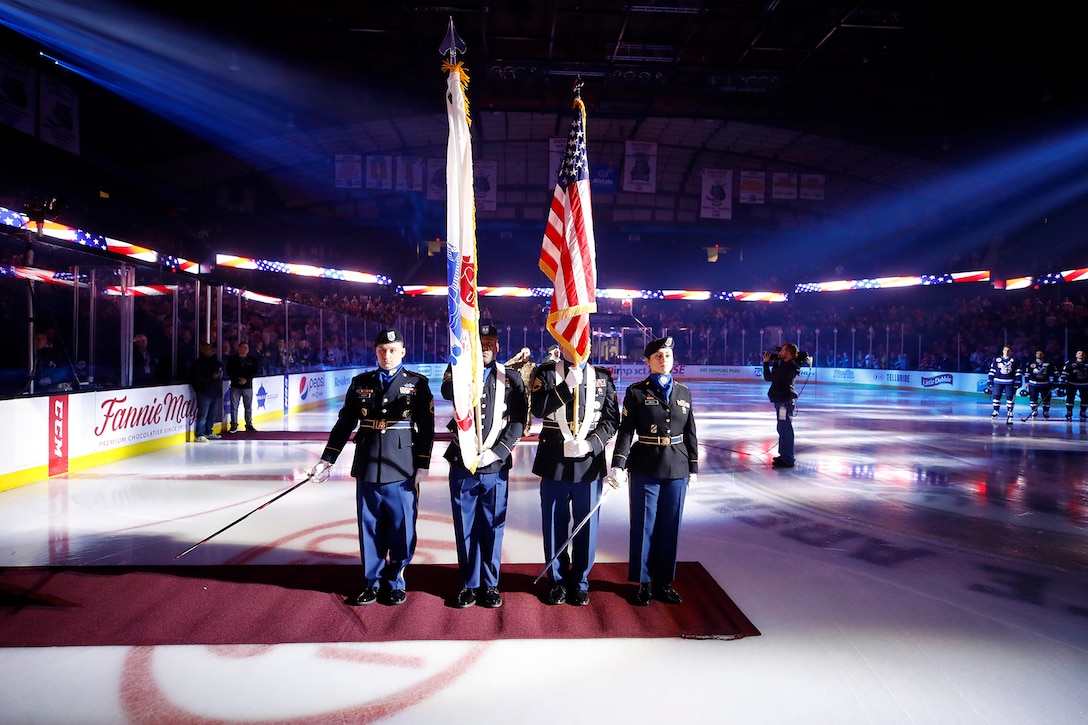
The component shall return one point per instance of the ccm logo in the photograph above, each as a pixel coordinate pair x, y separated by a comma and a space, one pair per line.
58, 427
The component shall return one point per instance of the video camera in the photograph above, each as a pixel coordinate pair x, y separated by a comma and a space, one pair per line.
776, 356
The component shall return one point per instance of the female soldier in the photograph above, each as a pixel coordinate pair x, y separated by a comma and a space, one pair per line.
660, 463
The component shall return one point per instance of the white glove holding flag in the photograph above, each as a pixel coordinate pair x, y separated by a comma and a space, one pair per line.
618, 478
486, 459
574, 377
320, 471
576, 449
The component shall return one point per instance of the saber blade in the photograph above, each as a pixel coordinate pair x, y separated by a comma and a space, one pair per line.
243, 518
574, 533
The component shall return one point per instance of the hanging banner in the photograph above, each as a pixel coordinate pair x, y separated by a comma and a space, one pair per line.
436, 180
379, 172
753, 187
783, 185
19, 94
717, 198
603, 179
58, 115
410, 173
557, 147
348, 172
812, 186
485, 178
640, 167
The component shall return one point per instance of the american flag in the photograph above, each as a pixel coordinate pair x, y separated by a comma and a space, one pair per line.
87, 239
268, 265
39, 275
466, 356
568, 256
12, 218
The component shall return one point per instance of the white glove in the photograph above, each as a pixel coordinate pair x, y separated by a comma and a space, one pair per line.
692, 478
576, 449
574, 376
320, 472
486, 459
618, 478
421, 475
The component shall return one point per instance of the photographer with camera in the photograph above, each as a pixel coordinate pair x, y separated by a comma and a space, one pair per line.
780, 368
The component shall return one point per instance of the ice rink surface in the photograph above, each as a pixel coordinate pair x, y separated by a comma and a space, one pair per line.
921, 564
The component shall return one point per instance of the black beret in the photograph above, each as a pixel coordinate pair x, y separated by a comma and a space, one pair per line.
386, 336
656, 345
488, 331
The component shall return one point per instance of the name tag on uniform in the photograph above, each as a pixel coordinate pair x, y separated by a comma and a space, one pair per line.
651, 401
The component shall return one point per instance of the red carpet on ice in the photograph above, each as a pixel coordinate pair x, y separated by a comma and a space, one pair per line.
206, 605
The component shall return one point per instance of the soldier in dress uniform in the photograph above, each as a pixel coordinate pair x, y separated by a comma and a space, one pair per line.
523, 365
479, 497
394, 411
657, 452
580, 414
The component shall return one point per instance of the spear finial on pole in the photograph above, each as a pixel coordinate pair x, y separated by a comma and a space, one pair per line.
578, 83
452, 44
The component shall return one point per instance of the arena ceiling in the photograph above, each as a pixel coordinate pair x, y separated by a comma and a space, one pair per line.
903, 75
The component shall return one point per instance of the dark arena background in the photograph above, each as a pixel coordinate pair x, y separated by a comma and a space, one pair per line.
898, 188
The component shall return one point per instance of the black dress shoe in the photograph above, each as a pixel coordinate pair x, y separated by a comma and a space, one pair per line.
578, 597
667, 594
557, 595
465, 598
396, 596
491, 598
781, 463
367, 596
645, 594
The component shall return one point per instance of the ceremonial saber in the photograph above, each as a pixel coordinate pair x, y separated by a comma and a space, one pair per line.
577, 528
240, 520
